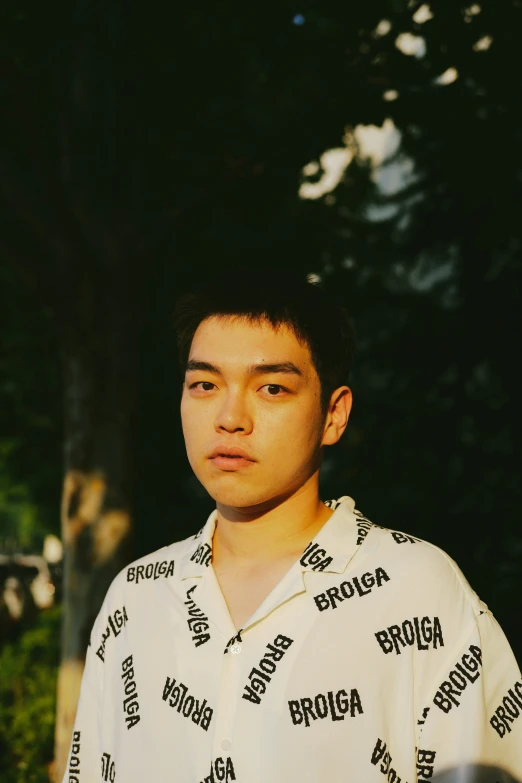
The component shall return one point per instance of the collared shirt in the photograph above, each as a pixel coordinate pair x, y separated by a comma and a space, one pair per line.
372, 660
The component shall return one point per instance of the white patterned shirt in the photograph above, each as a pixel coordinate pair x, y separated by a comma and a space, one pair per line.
372, 660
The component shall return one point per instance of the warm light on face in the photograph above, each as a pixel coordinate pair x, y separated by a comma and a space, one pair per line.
255, 388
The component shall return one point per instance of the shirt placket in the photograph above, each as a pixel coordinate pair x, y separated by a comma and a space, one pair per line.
233, 671
214, 604
229, 695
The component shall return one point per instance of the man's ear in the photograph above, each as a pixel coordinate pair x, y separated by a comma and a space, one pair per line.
337, 415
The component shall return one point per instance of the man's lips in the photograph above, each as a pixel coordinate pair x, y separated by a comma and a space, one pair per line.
230, 451
230, 458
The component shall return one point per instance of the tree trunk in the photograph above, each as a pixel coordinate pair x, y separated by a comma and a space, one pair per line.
100, 399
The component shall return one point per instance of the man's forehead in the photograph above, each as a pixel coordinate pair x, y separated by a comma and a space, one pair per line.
237, 340
236, 327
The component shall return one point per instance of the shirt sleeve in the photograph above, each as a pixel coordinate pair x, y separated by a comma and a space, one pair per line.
85, 755
471, 723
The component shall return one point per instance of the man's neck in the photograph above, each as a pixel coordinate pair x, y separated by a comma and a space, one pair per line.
249, 537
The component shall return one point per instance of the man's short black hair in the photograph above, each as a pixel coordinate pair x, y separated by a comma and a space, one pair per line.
282, 298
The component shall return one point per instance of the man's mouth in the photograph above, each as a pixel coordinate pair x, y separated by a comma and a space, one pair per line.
230, 461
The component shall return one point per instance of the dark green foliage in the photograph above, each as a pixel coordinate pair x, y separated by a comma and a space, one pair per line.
30, 414
28, 670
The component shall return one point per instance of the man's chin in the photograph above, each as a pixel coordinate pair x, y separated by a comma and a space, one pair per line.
246, 504
230, 490
236, 498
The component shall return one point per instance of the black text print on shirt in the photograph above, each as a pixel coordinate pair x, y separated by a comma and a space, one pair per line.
464, 672
363, 527
403, 538
130, 702
359, 586
382, 754
508, 710
222, 770
425, 761
334, 705
197, 621
187, 705
115, 623
203, 554
315, 557
108, 768
267, 665
423, 632
150, 571
74, 761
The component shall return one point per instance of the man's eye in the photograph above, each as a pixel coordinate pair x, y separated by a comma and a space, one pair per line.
277, 387
202, 384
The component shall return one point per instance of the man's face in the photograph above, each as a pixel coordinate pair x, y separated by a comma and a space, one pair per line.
231, 398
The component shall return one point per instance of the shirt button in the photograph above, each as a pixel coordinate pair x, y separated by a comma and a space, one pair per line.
235, 649
226, 745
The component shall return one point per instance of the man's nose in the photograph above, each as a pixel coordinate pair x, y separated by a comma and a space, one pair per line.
233, 415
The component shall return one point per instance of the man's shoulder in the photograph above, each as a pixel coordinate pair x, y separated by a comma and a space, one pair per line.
161, 564
420, 564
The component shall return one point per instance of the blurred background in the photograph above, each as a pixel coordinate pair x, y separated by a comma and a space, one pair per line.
375, 147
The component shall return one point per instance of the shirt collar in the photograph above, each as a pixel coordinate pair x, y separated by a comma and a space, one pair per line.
198, 554
330, 551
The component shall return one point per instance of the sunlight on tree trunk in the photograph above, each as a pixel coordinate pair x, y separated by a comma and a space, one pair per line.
92, 540
100, 402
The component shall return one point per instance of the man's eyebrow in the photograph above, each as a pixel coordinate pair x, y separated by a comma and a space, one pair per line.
289, 368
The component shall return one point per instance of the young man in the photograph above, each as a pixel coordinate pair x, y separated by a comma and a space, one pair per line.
289, 639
